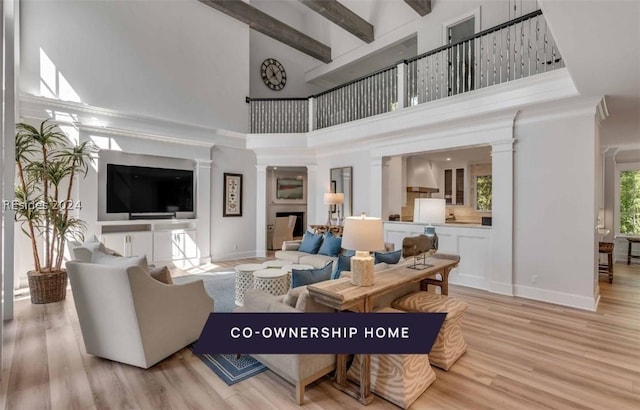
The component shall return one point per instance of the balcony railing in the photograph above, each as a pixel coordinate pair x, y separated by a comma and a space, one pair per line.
516, 49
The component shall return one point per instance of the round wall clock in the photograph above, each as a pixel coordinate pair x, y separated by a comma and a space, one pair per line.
273, 74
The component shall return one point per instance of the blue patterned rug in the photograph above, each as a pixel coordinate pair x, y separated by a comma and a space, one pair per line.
230, 369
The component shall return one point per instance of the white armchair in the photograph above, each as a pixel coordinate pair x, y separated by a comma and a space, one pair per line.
283, 230
127, 316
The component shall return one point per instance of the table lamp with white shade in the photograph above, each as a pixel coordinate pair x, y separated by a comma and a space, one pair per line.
430, 211
364, 235
334, 198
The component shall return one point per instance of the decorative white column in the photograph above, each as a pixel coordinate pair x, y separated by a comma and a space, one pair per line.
402, 85
311, 114
10, 29
375, 186
261, 211
502, 217
313, 197
203, 208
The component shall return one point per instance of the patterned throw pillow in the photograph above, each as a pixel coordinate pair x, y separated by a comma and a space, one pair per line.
331, 245
389, 257
311, 243
93, 244
343, 263
162, 274
310, 276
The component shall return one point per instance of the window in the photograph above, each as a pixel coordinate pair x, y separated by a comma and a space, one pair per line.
483, 193
630, 202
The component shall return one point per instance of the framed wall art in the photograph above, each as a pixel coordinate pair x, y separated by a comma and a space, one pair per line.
232, 195
290, 189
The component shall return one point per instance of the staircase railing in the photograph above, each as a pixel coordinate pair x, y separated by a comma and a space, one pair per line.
516, 49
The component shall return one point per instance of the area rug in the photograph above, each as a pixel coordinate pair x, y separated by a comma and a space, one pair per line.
221, 286
231, 369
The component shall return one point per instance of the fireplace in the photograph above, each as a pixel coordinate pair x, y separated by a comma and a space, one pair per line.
298, 230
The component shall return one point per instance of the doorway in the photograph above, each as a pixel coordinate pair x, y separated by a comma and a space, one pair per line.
461, 55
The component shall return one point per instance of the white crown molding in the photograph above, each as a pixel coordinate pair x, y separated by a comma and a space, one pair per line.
140, 135
603, 110
558, 110
113, 121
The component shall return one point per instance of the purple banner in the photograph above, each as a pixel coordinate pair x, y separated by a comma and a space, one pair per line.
310, 333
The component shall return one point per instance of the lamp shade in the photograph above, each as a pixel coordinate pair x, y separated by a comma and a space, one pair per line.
362, 234
332, 198
429, 210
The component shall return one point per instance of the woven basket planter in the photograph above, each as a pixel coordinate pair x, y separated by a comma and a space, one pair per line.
47, 287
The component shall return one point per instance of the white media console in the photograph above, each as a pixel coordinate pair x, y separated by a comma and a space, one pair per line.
164, 241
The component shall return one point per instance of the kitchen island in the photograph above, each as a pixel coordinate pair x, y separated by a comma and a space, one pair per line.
471, 241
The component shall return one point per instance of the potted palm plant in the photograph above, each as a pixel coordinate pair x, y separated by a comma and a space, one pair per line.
47, 165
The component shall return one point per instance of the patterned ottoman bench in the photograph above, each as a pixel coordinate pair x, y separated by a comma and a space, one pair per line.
399, 378
449, 344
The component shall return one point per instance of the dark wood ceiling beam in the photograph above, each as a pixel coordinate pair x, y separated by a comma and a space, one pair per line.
272, 27
340, 15
422, 7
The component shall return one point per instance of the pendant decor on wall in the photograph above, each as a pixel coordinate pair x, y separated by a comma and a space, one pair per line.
232, 195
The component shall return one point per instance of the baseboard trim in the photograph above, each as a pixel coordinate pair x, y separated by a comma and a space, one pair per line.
502, 288
235, 255
468, 281
555, 297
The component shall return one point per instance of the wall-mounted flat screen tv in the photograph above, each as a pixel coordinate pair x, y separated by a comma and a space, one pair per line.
134, 189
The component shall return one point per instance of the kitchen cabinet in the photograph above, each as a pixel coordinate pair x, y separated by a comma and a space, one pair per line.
454, 186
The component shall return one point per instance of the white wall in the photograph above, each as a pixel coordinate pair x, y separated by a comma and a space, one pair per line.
179, 60
233, 237
554, 208
492, 13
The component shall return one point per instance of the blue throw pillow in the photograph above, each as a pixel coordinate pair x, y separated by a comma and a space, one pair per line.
349, 252
331, 245
388, 257
343, 263
311, 242
309, 276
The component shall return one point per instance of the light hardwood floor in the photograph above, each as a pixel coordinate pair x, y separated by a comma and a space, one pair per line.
522, 354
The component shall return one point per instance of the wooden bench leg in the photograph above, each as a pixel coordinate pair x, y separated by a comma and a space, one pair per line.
610, 260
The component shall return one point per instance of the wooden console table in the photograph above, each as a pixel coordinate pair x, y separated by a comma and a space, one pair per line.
341, 295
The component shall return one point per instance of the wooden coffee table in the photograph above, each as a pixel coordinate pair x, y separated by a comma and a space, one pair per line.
341, 295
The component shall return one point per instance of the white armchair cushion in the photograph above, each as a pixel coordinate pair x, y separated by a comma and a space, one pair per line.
102, 258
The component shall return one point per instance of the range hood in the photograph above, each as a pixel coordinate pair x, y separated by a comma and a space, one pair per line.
422, 190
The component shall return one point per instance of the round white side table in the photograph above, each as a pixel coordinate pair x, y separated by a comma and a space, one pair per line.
244, 280
275, 264
274, 281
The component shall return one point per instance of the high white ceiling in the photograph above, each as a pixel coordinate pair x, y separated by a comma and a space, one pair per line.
600, 43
